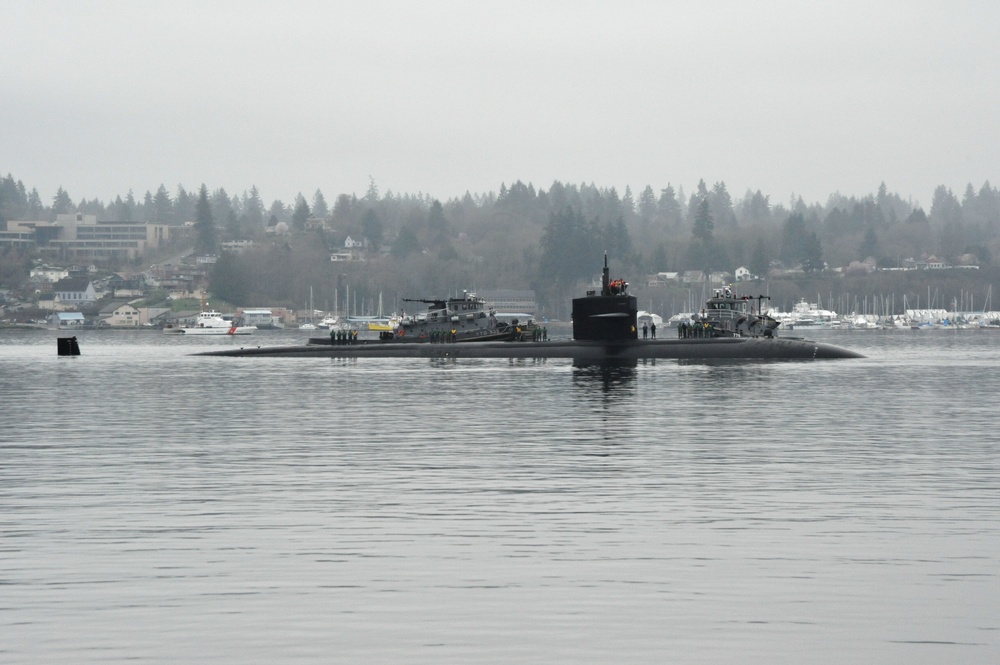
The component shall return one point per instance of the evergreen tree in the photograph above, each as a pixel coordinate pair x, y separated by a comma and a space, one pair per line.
115, 209
183, 206
320, 208
14, 202
869, 245
371, 225
35, 207
128, 211
756, 208
760, 260
628, 202
812, 259
147, 207
371, 196
222, 206
207, 240
344, 210
918, 216
703, 229
301, 213
669, 209
658, 261
647, 205
617, 240
253, 208
945, 208
162, 206
571, 247
722, 205
437, 224
406, 243
793, 239
233, 227
278, 212
229, 279
62, 203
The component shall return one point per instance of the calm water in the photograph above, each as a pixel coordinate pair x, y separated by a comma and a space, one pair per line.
161, 507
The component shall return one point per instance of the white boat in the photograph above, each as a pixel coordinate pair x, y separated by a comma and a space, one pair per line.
806, 314
211, 322
307, 326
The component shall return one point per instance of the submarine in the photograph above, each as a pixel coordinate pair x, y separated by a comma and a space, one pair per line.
730, 327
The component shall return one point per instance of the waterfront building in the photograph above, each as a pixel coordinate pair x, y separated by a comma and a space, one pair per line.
80, 236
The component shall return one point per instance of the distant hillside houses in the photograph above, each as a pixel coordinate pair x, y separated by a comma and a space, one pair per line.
718, 277
49, 274
667, 278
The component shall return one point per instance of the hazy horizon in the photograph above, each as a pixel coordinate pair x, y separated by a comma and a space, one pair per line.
447, 97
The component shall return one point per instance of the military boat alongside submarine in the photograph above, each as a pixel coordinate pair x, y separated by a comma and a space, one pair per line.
730, 327
465, 318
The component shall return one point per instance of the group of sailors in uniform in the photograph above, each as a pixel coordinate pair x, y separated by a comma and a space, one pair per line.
695, 329
343, 337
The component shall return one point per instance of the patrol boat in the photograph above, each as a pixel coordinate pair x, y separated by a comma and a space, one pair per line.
727, 314
465, 318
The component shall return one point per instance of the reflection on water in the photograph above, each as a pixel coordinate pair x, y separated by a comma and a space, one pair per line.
613, 376
162, 507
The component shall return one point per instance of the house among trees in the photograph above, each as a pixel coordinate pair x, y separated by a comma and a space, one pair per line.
692, 276
662, 279
126, 286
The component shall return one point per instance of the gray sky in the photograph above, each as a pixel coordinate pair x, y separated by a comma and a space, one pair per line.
447, 97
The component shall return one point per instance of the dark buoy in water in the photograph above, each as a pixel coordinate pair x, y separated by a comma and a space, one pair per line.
68, 346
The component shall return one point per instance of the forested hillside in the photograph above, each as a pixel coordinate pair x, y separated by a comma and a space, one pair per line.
551, 239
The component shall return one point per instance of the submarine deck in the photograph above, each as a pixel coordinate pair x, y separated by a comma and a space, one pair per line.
734, 348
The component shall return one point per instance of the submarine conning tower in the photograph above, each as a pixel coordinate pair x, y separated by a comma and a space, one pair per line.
606, 317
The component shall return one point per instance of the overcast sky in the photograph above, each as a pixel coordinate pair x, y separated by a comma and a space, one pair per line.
802, 98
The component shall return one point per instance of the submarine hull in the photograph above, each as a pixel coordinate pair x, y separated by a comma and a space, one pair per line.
725, 348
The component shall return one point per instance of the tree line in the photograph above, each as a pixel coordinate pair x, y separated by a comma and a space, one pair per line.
549, 239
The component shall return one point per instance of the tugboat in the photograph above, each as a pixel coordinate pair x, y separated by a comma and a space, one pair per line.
727, 314
465, 318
